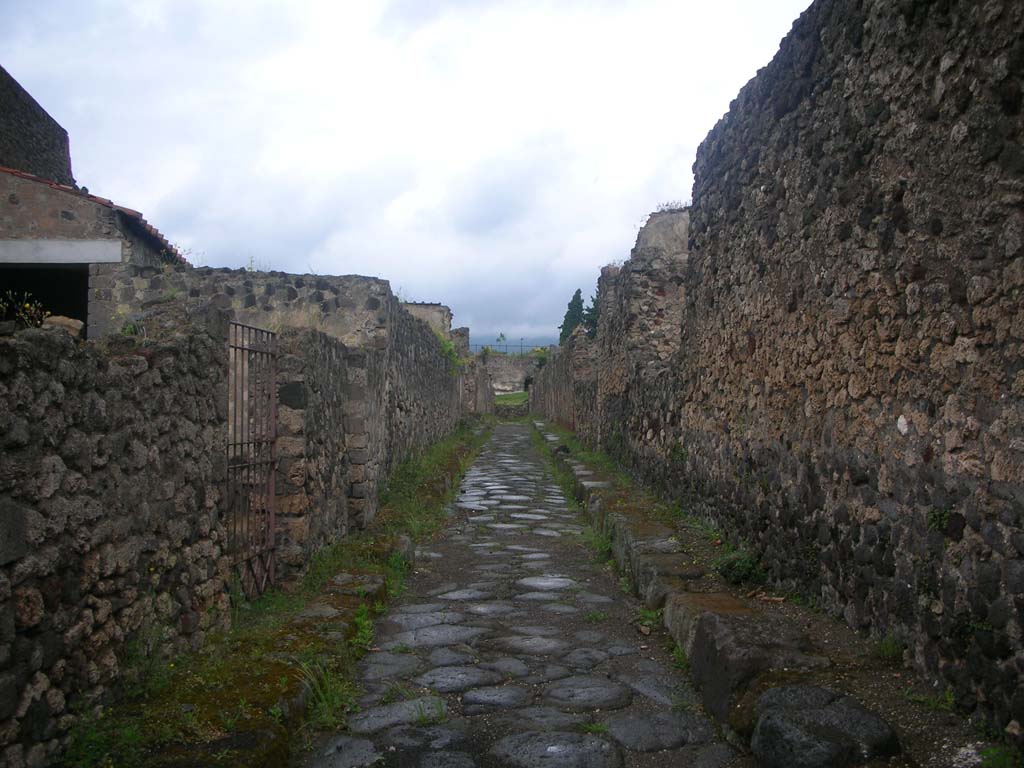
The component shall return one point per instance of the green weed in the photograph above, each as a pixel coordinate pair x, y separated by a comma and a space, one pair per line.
599, 541
99, 741
362, 639
938, 519
595, 617
650, 617
888, 649
738, 566
396, 692
331, 695
433, 715
680, 660
593, 728
938, 702
1001, 756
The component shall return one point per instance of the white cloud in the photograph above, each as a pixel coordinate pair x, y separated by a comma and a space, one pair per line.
491, 155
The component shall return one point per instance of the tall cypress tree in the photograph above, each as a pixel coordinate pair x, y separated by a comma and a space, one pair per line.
590, 317
573, 316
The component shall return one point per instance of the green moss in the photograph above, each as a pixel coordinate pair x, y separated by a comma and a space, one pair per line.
1001, 756
739, 566
512, 398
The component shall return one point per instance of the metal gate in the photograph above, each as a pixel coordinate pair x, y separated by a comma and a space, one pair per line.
252, 454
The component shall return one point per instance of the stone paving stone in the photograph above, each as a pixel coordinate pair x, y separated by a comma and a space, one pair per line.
455, 679
347, 752
556, 749
584, 692
399, 713
440, 634
495, 698
642, 732
381, 665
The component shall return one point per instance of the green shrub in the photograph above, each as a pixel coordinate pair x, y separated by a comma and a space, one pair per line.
738, 566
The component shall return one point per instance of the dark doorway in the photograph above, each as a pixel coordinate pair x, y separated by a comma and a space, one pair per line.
63, 289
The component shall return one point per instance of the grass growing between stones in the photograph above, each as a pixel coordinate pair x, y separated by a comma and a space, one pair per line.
888, 649
595, 459
598, 541
238, 701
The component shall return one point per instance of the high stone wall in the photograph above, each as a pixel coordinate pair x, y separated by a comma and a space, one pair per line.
31, 140
844, 377
111, 526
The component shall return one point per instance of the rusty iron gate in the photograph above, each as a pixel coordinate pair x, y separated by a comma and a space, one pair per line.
252, 454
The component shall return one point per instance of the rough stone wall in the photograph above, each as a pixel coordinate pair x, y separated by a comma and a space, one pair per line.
423, 393
400, 393
313, 459
437, 316
460, 337
847, 379
509, 372
565, 388
349, 307
477, 390
109, 522
31, 140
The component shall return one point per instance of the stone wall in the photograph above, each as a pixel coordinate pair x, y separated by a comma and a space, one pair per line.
349, 308
437, 316
312, 483
477, 389
564, 390
509, 372
31, 140
110, 530
839, 365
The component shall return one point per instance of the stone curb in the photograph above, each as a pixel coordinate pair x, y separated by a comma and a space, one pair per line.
736, 651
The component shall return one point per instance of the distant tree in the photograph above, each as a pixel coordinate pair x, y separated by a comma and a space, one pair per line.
573, 316
590, 315
500, 339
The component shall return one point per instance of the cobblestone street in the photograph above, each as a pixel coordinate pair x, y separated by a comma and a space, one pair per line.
514, 646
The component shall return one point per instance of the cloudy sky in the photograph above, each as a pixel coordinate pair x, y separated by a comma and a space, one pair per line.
491, 155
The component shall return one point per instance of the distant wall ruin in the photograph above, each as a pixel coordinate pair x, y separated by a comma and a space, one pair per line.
836, 356
509, 372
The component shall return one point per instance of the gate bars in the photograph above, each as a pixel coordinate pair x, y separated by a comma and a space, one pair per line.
252, 454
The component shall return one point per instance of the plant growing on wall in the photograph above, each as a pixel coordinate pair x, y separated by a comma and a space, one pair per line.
24, 310
449, 351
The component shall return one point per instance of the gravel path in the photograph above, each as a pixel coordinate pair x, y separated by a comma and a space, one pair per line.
513, 647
